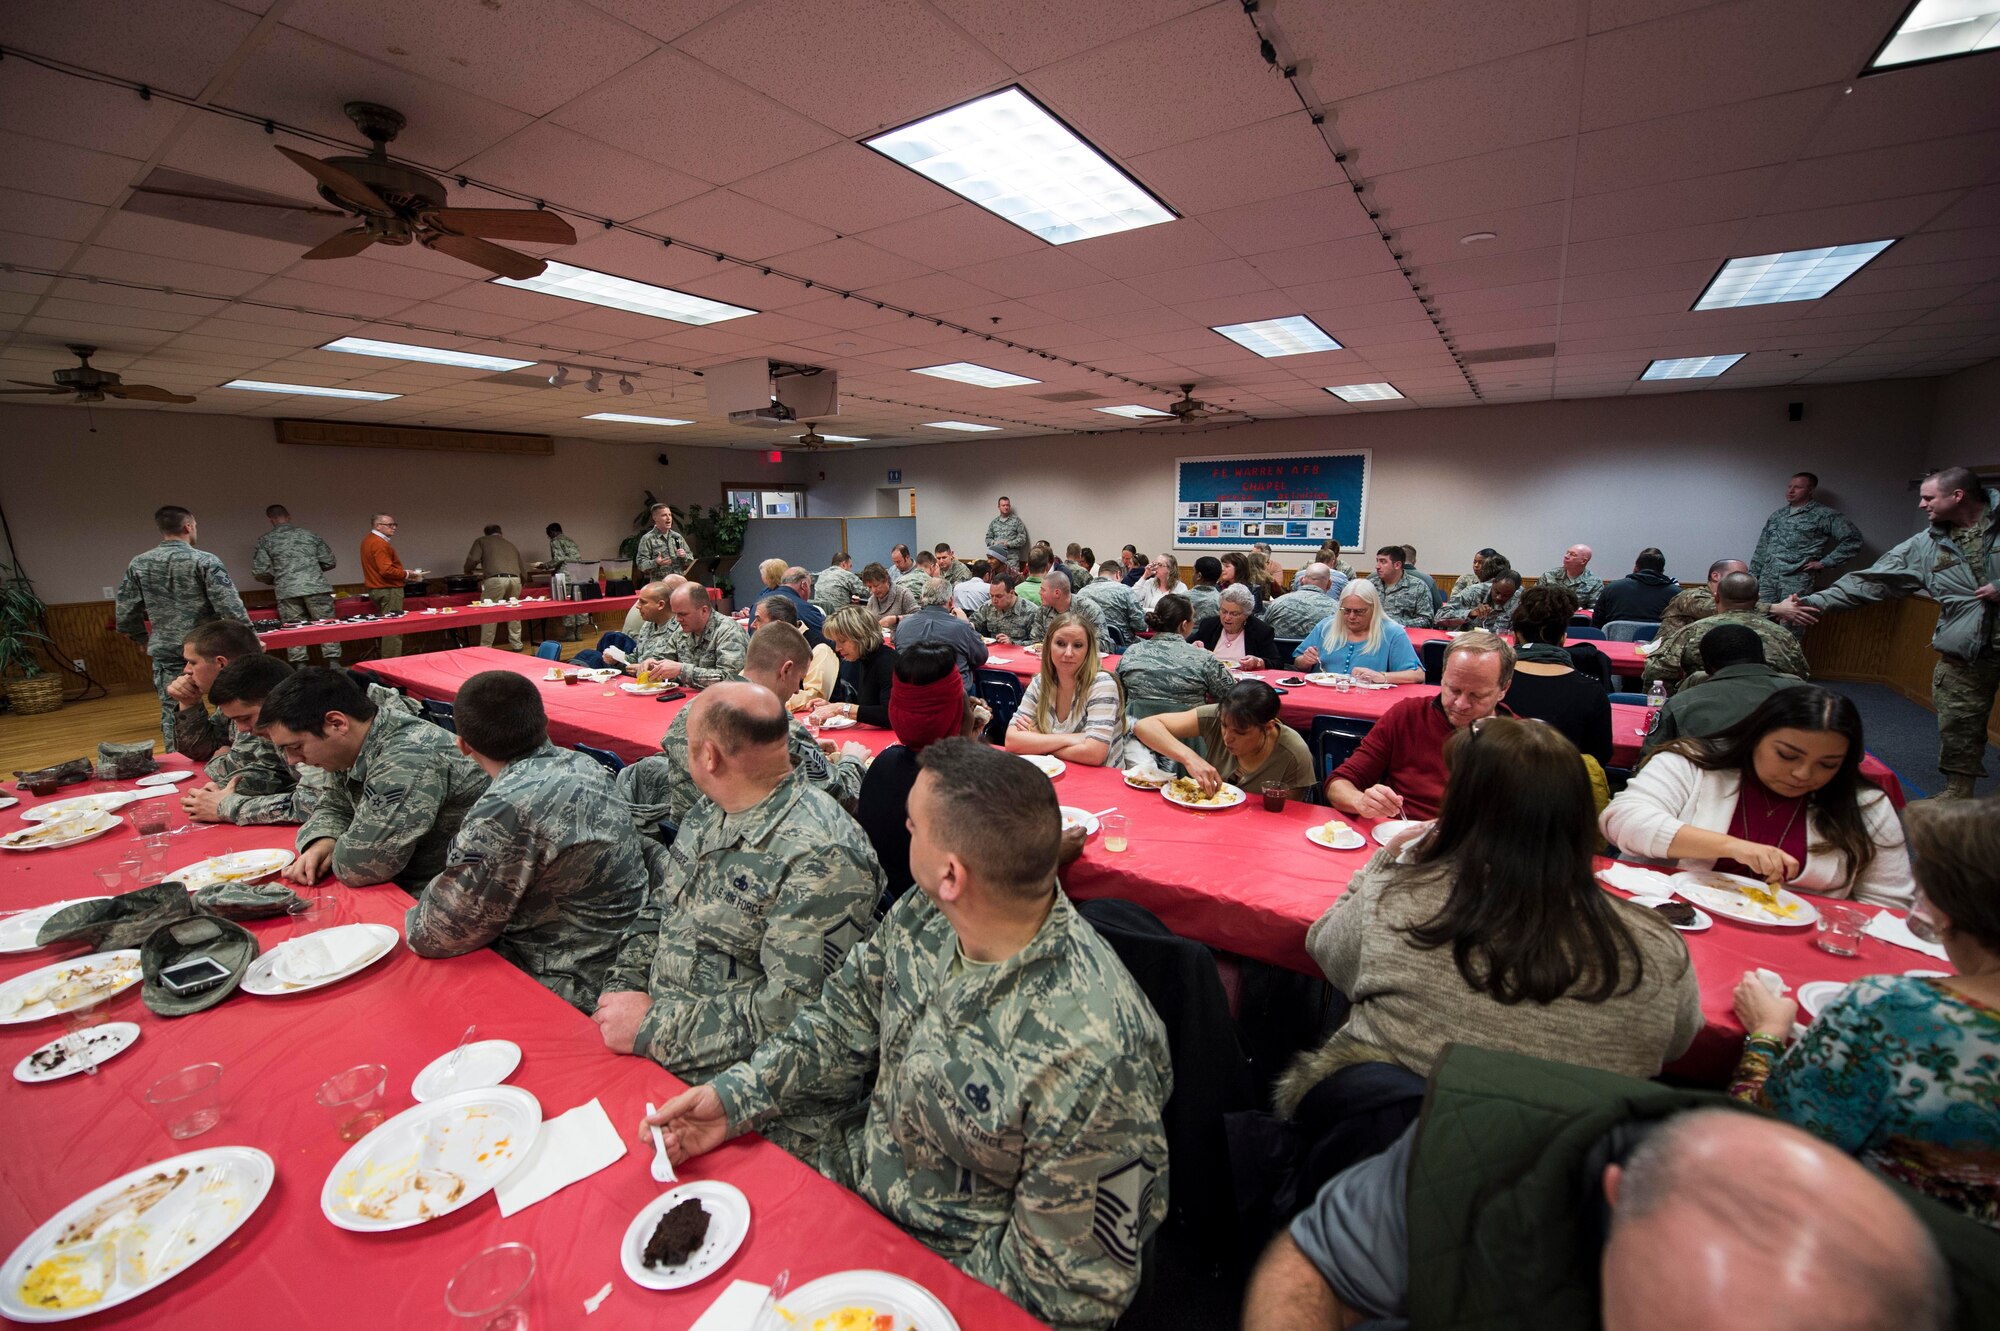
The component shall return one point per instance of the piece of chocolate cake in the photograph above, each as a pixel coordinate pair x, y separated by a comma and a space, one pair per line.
1677, 913
678, 1234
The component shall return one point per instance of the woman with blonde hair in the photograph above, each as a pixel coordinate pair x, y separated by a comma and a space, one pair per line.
855, 633
1361, 641
1072, 710
772, 571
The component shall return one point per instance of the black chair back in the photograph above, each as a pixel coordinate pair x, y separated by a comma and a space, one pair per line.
1434, 653
1334, 739
605, 756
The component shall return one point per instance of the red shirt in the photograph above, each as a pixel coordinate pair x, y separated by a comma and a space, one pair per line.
1405, 751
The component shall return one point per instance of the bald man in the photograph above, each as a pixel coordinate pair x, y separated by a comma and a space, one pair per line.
1575, 574
1487, 1211
700, 647
768, 885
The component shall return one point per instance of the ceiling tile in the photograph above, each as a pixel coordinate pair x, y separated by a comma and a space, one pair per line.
1707, 142
847, 187
1474, 186
1360, 48
1278, 156
1882, 219
1883, 173
1502, 104
1324, 262
1232, 277
846, 264
1028, 34
1295, 219
1682, 203
547, 161
1909, 105
177, 45
43, 104
724, 220
1032, 274
952, 237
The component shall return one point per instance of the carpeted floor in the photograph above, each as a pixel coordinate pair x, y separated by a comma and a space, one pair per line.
1904, 735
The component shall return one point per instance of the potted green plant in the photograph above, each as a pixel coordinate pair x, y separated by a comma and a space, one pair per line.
717, 537
30, 689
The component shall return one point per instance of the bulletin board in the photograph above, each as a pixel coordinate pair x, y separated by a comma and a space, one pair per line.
1295, 501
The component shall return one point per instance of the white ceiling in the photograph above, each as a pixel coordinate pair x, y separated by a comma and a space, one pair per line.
1620, 149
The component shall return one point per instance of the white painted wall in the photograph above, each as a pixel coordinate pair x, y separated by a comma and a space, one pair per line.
1695, 473
1966, 429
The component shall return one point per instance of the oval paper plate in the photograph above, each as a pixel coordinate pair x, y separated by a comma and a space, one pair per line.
93, 1046
645, 690
262, 979
1720, 894
1226, 797
166, 778
1050, 767
1140, 779
431, 1159
1388, 828
728, 1225
31, 997
910, 1304
1079, 818
838, 723
240, 866
1351, 840
1816, 994
18, 931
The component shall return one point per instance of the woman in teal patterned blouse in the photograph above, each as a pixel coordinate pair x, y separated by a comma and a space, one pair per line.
1904, 1072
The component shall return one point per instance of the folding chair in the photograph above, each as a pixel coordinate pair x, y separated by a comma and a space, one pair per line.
605, 756
550, 650
1635, 699
1434, 652
1631, 630
1002, 692
1286, 648
438, 713
1582, 633
1333, 740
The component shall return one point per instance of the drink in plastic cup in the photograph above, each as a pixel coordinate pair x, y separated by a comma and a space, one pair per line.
188, 1102
312, 914
1114, 827
1840, 928
149, 817
1274, 799
492, 1291
354, 1098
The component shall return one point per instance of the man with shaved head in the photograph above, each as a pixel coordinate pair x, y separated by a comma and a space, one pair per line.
1538, 1194
700, 647
768, 885
1678, 660
1694, 603
1575, 575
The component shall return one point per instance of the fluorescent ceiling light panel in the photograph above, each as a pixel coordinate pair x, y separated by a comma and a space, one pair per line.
635, 420
307, 390
1133, 412
1365, 392
845, 438
978, 375
1006, 153
1939, 30
362, 346
1767, 279
1294, 335
1691, 367
957, 425
622, 293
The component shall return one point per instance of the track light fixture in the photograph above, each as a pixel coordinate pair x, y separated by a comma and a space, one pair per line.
624, 386
560, 378
594, 384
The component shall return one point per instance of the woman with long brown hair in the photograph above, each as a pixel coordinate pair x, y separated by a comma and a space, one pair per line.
1779, 796
1072, 710
1490, 929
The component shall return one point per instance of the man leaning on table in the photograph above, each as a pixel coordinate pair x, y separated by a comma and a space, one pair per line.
497, 561
700, 647
383, 574
1398, 769
167, 591
768, 884
546, 868
1005, 1076
198, 733
400, 786
250, 782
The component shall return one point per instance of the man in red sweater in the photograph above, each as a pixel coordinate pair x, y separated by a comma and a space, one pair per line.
1398, 770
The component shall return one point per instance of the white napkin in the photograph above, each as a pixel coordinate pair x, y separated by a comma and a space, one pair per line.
1895, 929
735, 1309
570, 1149
1647, 886
322, 954
613, 654
1771, 980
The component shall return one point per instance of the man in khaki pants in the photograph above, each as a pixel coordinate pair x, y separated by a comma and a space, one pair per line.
495, 557
383, 574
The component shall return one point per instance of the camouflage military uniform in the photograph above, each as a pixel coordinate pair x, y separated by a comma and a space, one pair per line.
1794, 537
1116, 607
757, 908
913, 582
661, 553
835, 588
562, 550
650, 641
1023, 624
547, 868
295, 561
1464, 580
177, 587
957, 573
1686, 607
1007, 1116
1298, 612
1206, 601
1679, 657
663, 788
714, 656
1166, 672
1079, 576
1457, 611
1009, 536
1585, 586
1408, 602
393, 814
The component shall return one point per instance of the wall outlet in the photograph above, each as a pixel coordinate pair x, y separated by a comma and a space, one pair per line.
110, 593
77, 661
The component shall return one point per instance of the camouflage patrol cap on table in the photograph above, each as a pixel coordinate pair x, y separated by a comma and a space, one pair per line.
246, 901
229, 943
117, 761
111, 923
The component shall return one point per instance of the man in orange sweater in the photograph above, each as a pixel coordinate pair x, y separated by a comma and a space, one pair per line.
383, 574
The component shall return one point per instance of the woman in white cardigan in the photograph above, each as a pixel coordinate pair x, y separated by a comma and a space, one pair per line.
1778, 796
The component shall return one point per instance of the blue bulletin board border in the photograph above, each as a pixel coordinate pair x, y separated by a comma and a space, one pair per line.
1295, 501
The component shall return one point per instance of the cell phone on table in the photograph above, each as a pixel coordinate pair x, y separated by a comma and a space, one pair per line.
671, 695
193, 976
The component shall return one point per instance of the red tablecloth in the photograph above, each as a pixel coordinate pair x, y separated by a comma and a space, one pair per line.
1624, 656
262, 613
289, 1266
415, 621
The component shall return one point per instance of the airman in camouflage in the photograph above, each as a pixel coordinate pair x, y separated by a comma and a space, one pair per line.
1299, 611
913, 578
1475, 608
177, 587
295, 562
547, 869
1020, 622
1799, 540
1116, 607
1575, 575
1167, 672
1677, 660
1007, 535
1407, 600
1005, 1092
562, 550
662, 550
700, 647
768, 885
835, 587
954, 572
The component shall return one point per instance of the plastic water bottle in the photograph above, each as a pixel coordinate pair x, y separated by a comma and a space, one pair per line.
1656, 698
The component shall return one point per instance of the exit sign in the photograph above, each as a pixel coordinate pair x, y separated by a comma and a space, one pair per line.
895, 475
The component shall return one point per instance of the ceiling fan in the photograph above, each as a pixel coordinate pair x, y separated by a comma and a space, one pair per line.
91, 384
813, 441
400, 205
1189, 408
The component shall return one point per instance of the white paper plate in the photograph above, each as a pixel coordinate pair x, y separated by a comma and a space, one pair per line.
485, 1063
1139, 779
1716, 892
1388, 828
1326, 679
1226, 797
120, 969
1049, 767
167, 778
93, 1046
70, 831
728, 1225
837, 723
1702, 919
17, 931
223, 1187
262, 979
8, 801
432, 1159
910, 1303
241, 866
1816, 994
647, 690
1349, 839
1079, 818
109, 801
600, 675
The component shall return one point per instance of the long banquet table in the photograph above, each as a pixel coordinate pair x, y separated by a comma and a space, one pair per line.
1242, 880
421, 621
288, 1266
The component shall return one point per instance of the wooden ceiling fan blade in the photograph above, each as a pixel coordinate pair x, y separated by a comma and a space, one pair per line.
145, 393
345, 245
520, 224
25, 392
241, 203
493, 258
339, 181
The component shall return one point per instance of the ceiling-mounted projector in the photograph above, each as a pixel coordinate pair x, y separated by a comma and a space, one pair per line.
772, 395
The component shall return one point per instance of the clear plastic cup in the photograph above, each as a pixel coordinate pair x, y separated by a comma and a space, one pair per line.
110, 876
314, 913
1840, 928
1117, 831
149, 817
355, 1099
189, 1102
1274, 798
492, 1292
